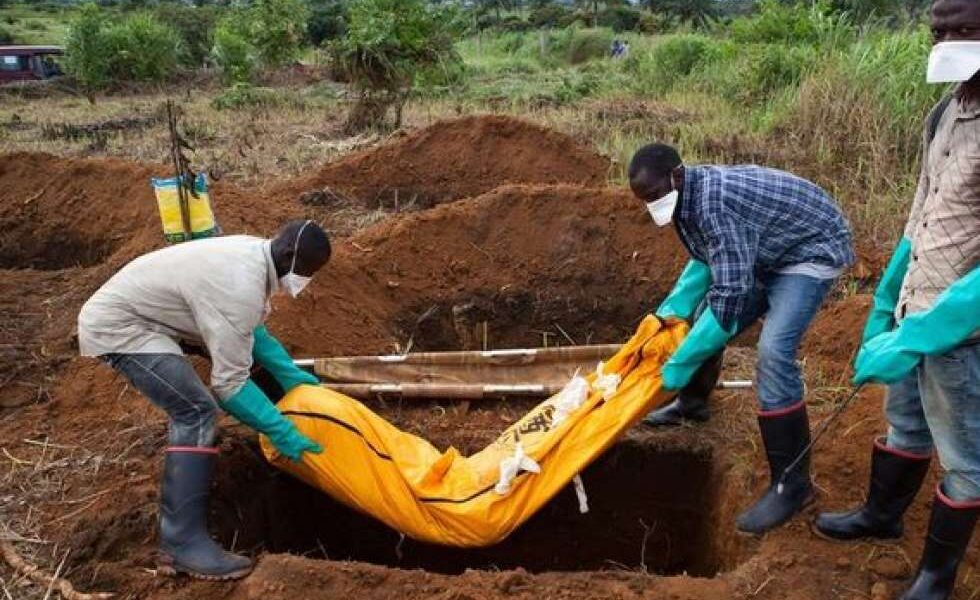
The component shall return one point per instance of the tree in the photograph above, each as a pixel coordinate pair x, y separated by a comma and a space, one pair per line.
328, 20
233, 52
388, 46
195, 25
101, 51
86, 48
277, 28
698, 12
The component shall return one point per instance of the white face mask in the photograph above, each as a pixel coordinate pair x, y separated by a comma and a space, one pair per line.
953, 62
291, 282
662, 209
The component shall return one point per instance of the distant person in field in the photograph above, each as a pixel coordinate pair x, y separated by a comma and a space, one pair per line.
617, 49
763, 243
923, 334
213, 292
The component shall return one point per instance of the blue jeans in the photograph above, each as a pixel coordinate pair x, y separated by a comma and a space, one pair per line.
939, 405
788, 303
169, 381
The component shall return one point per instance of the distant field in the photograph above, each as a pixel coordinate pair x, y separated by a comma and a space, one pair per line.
30, 25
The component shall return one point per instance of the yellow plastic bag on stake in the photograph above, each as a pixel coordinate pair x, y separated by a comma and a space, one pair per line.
446, 498
202, 220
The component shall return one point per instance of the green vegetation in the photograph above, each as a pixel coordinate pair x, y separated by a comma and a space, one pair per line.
101, 51
33, 24
833, 89
805, 87
390, 46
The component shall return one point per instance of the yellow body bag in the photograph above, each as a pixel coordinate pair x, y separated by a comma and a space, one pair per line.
446, 498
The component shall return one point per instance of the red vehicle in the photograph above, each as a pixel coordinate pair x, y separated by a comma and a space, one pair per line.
28, 63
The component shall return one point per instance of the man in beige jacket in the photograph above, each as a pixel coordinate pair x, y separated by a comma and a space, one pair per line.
213, 292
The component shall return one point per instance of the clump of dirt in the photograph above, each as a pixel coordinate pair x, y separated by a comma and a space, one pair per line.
457, 159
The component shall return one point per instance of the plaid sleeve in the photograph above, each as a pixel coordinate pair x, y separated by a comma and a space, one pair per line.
732, 250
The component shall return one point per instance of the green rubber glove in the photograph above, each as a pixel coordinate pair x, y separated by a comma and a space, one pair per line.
253, 408
269, 352
704, 340
882, 316
954, 317
688, 292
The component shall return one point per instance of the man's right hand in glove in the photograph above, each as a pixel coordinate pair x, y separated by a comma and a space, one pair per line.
253, 408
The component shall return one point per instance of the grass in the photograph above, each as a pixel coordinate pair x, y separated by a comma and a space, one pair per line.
792, 87
31, 25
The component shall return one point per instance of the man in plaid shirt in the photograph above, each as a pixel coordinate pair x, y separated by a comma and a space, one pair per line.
763, 243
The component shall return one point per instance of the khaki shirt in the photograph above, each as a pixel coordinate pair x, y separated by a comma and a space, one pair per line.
944, 226
213, 291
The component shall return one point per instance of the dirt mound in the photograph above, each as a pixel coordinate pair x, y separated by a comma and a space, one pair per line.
835, 335
519, 266
66, 225
457, 159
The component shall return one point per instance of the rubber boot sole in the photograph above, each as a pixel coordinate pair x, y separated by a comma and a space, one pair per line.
167, 567
808, 504
868, 539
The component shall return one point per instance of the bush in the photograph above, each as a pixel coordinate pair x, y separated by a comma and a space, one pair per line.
792, 24
671, 60
232, 52
620, 18
245, 95
277, 29
141, 48
577, 46
654, 23
773, 68
513, 23
195, 25
101, 51
5, 36
576, 85
328, 21
486, 21
87, 48
550, 16
388, 45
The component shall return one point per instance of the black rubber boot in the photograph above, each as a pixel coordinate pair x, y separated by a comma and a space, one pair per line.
185, 546
896, 477
950, 528
785, 434
691, 403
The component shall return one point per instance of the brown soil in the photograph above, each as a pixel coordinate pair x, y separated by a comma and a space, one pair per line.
457, 159
533, 262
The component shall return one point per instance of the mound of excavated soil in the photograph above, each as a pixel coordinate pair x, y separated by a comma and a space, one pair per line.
66, 225
529, 261
457, 159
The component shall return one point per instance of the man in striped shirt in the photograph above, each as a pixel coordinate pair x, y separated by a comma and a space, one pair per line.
763, 243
